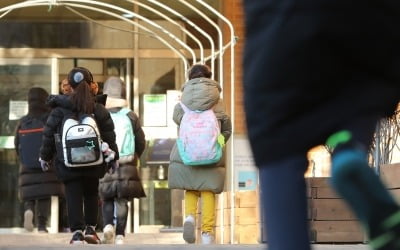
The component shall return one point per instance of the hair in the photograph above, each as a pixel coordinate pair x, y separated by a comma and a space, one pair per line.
199, 70
37, 101
82, 97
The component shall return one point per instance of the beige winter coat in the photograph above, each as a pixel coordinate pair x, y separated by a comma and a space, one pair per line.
200, 94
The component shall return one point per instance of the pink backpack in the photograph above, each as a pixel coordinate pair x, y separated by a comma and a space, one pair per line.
199, 137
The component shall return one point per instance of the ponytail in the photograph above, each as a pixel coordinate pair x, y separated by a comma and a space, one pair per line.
82, 98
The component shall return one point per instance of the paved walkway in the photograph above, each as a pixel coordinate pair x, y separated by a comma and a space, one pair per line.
139, 241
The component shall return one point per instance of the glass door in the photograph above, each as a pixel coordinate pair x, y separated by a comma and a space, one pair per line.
17, 76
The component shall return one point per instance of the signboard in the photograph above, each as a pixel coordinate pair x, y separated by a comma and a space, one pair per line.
154, 110
246, 176
17, 109
173, 97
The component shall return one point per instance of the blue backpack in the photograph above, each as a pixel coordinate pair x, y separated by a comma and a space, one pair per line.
30, 140
125, 138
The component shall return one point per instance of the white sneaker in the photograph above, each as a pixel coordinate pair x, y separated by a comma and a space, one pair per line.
207, 238
119, 240
188, 230
108, 234
28, 220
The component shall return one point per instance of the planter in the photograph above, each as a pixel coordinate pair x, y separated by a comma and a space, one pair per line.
331, 220
390, 175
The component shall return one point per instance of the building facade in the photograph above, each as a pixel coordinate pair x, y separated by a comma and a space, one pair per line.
148, 44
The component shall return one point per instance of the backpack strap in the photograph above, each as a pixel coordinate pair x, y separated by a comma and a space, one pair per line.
124, 111
185, 109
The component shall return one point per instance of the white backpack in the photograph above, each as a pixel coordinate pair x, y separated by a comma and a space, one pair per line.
81, 142
198, 137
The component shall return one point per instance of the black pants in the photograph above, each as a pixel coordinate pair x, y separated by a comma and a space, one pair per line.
82, 202
43, 210
119, 207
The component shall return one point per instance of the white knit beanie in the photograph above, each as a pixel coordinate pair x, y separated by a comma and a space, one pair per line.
114, 87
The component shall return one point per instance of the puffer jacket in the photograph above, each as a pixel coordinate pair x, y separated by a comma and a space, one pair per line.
62, 105
34, 183
124, 182
200, 94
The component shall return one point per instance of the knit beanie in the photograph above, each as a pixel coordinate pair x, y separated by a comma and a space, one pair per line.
114, 87
78, 75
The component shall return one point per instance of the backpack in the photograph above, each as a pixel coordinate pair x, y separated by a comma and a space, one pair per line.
198, 137
81, 141
125, 138
30, 140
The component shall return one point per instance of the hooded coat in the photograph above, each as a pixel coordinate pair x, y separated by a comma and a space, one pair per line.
34, 183
124, 182
199, 94
62, 106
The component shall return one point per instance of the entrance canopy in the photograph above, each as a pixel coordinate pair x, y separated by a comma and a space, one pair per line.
137, 13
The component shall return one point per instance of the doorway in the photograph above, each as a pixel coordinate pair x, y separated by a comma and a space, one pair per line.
18, 75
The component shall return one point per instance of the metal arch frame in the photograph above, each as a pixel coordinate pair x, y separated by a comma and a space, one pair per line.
220, 75
32, 3
173, 22
172, 36
140, 17
201, 31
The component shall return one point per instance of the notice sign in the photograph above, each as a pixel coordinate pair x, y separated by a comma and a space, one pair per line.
247, 180
173, 97
155, 110
17, 109
246, 173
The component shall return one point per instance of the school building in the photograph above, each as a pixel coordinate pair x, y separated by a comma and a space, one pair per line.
149, 44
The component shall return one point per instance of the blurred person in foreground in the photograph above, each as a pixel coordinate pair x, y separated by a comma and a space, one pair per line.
320, 72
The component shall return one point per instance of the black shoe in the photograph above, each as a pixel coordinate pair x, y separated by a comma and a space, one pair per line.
91, 236
42, 229
77, 237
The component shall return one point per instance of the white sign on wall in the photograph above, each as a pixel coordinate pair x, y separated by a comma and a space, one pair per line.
17, 109
173, 97
246, 176
154, 110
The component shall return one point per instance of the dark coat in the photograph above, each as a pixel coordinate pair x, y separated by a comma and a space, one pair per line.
311, 67
61, 106
34, 183
125, 182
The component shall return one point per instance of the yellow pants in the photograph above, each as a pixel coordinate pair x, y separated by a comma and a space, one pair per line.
207, 208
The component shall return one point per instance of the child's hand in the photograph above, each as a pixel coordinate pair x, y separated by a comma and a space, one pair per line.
108, 152
113, 166
45, 165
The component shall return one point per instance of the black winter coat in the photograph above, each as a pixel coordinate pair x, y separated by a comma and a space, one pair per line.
62, 105
310, 67
125, 182
34, 183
